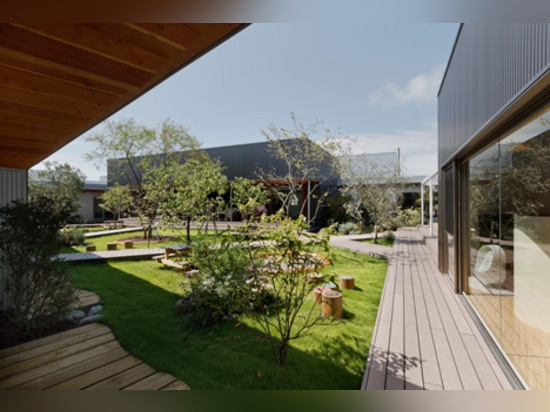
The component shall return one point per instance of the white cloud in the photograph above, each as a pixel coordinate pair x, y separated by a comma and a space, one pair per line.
420, 89
418, 148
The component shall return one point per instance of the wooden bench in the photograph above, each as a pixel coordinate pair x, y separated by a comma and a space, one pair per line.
183, 265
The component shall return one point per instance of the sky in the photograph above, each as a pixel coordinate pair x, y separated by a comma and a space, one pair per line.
375, 82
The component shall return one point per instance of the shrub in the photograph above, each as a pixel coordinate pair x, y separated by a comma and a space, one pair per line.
225, 286
38, 286
408, 217
348, 228
72, 236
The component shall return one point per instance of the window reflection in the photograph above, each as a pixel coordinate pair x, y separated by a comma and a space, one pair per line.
509, 279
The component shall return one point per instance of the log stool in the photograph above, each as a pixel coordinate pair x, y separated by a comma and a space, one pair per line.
128, 245
331, 303
318, 291
111, 246
90, 248
347, 282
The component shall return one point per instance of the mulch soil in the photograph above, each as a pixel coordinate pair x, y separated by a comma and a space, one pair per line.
10, 335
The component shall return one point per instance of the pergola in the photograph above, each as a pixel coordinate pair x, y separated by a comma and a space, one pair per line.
59, 80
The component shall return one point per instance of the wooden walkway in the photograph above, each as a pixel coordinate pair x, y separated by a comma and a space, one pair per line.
424, 337
105, 255
88, 357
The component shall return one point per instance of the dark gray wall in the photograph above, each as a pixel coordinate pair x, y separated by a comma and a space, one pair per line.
491, 66
241, 160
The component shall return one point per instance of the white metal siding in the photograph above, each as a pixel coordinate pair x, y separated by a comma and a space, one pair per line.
13, 185
491, 65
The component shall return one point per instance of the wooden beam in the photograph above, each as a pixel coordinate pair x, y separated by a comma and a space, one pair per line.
73, 58
100, 43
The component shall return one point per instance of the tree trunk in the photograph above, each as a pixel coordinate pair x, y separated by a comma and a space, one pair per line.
189, 229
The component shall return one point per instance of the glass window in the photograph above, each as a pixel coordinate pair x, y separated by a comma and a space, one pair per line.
509, 279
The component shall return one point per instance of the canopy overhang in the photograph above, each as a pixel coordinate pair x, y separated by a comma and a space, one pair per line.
59, 80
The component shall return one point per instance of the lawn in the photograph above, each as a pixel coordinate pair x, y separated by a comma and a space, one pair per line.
139, 297
381, 241
100, 242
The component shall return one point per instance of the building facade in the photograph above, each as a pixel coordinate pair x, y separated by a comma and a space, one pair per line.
494, 187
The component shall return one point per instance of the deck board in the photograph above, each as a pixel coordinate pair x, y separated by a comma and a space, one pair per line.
424, 337
88, 357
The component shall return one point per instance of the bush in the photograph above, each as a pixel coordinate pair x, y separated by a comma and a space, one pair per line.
408, 217
225, 286
38, 285
348, 228
72, 236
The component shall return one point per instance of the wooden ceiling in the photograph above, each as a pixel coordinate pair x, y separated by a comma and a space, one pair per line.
59, 80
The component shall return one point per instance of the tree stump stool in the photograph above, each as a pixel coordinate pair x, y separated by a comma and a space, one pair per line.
317, 294
318, 291
347, 282
331, 303
112, 246
128, 245
90, 248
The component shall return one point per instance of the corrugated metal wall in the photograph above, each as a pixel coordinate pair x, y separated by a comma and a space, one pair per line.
491, 65
13, 185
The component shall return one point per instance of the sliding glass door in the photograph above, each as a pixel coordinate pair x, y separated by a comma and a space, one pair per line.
509, 271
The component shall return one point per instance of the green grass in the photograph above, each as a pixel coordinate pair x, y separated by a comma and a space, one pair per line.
382, 241
138, 299
100, 242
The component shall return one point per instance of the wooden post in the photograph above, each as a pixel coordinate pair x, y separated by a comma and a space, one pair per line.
331, 303
347, 282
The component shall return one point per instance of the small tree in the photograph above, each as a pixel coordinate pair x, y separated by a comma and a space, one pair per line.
372, 188
61, 183
248, 195
290, 253
132, 150
186, 192
117, 199
38, 284
308, 161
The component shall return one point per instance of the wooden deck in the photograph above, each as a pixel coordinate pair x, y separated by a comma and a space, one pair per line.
88, 357
106, 255
424, 336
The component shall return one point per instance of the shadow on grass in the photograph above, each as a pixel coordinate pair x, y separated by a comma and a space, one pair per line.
228, 356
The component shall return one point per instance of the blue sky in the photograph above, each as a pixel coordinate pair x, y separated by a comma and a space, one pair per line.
377, 82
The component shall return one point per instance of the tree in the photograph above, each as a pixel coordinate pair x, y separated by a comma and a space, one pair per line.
309, 162
61, 183
373, 189
249, 196
117, 199
281, 267
188, 191
38, 285
132, 150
